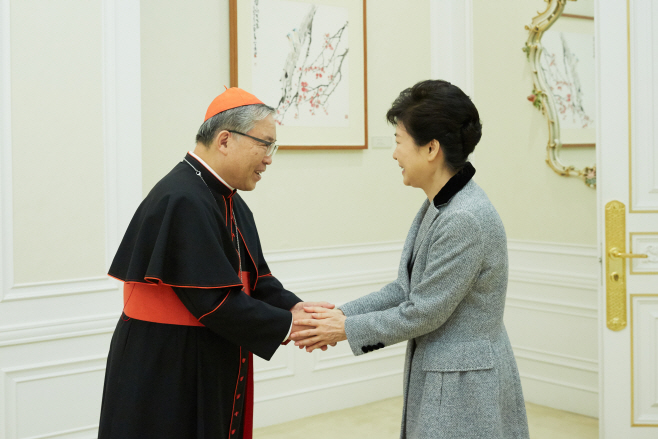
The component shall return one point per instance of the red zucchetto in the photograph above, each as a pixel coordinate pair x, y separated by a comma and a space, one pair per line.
232, 98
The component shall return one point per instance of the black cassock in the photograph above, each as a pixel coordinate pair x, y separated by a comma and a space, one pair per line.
174, 381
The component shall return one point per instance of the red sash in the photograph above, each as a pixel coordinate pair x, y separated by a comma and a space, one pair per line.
159, 303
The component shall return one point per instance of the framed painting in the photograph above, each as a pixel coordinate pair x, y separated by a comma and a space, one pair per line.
568, 64
307, 60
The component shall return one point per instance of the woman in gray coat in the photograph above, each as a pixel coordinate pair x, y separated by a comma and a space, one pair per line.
460, 377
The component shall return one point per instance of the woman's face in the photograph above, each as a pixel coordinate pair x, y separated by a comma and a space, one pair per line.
411, 158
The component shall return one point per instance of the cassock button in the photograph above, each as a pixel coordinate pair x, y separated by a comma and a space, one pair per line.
241, 378
233, 432
244, 359
239, 395
236, 413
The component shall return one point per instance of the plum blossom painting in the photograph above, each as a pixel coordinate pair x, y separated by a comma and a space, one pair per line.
311, 89
306, 59
567, 61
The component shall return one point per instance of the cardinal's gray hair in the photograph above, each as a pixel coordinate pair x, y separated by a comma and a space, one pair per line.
240, 119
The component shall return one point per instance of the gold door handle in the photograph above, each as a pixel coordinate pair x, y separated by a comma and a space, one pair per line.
615, 237
615, 253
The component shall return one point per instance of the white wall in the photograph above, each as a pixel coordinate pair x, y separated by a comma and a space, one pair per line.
342, 194
118, 90
70, 128
534, 202
326, 218
551, 317
550, 220
309, 384
185, 64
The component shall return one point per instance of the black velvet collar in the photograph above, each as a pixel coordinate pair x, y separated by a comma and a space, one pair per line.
209, 178
454, 185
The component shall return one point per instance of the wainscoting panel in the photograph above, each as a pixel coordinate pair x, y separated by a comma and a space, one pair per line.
551, 317
309, 384
52, 388
55, 330
644, 381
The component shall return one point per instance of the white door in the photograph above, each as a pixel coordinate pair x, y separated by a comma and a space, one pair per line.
627, 149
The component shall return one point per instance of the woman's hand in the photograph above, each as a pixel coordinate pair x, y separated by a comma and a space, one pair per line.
299, 309
328, 328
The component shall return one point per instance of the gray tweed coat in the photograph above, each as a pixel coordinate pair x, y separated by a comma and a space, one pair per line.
460, 376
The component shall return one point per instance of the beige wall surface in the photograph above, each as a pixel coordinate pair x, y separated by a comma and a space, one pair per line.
534, 202
184, 66
306, 198
57, 140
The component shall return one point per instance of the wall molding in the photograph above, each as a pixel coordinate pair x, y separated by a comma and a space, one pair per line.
643, 178
563, 281
278, 367
272, 373
560, 383
57, 329
39, 290
376, 264
328, 397
543, 247
556, 359
322, 283
121, 75
6, 205
334, 251
348, 359
10, 377
451, 34
332, 267
554, 278
552, 307
122, 117
314, 389
317, 280
91, 429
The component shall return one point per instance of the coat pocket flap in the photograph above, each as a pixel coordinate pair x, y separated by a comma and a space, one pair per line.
457, 357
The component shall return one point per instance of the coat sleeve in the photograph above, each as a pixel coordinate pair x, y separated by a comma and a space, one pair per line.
268, 288
454, 261
389, 296
239, 318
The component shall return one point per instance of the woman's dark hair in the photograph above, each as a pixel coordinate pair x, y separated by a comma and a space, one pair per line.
436, 109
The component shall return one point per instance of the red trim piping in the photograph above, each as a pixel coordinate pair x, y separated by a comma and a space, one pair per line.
190, 286
220, 304
230, 429
252, 259
266, 275
172, 285
114, 277
123, 311
225, 212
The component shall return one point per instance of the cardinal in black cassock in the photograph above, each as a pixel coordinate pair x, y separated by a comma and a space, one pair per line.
199, 298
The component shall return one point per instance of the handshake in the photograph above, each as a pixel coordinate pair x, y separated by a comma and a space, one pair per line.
317, 325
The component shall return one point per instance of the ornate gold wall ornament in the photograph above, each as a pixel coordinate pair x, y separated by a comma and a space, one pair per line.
543, 100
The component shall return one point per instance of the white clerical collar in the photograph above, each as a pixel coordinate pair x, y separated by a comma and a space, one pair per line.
211, 170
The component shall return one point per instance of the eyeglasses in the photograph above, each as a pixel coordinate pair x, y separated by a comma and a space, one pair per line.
271, 146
